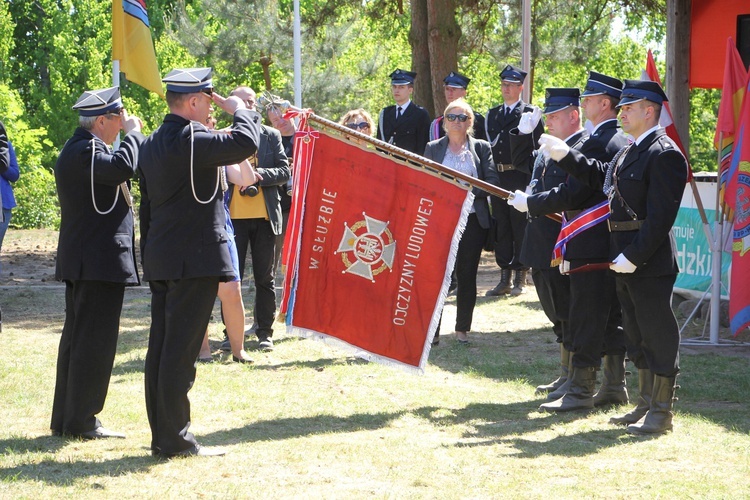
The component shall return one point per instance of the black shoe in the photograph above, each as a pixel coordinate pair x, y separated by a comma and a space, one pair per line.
206, 360
195, 451
98, 433
241, 360
226, 346
265, 343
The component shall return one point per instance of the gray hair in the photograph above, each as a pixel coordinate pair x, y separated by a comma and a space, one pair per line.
87, 122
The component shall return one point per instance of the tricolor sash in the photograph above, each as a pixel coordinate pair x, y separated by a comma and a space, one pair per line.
578, 224
435, 128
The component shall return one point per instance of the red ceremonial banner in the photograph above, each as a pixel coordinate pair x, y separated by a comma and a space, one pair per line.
737, 197
665, 119
376, 240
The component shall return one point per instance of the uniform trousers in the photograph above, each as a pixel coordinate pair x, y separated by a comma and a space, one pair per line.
593, 316
180, 311
257, 234
86, 354
511, 227
553, 290
467, 263
649, 323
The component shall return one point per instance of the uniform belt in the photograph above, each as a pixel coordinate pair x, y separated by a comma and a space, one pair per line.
624, 225
504, 167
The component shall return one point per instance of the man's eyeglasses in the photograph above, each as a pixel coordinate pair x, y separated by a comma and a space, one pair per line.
452, 118
360, 125
209, 92
114, 114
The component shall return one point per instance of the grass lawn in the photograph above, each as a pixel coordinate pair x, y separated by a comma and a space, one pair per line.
309, 421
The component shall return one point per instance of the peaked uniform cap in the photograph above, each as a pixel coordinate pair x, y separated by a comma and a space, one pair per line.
402, 77
512, 74
560, 98
99, 102
188, 80
599, 84
639, 90
456, 80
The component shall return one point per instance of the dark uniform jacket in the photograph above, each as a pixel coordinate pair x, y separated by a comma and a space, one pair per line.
541, 232
182, 237
592, 245
94, 246
482, 154
651, 180
497, 130
273, 167
410, 132
437, 131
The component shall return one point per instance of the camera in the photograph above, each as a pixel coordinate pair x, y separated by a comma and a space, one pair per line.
249, 191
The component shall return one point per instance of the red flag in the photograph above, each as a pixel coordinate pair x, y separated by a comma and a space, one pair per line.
732, 93
651, 73
376, 240
738, 198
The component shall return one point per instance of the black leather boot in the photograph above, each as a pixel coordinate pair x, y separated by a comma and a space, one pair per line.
645, 388
612, 390
560, 391
502, 288
564, 366
580, 393
519, 282
658, 420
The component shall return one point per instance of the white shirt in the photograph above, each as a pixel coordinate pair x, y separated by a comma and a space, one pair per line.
645, 134
510, 107
594, 129
403, 107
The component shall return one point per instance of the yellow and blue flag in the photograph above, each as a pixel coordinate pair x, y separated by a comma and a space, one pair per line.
132, 44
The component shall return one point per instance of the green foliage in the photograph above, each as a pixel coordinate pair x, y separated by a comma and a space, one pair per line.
52, 50
36, 199
704, 108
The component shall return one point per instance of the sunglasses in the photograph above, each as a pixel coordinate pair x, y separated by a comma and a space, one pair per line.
452, 118
208, 92
360, 125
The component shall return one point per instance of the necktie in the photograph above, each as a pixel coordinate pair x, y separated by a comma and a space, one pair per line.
398, 112
508, 111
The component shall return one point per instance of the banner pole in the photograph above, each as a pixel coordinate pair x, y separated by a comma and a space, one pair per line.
421, 161
713, 332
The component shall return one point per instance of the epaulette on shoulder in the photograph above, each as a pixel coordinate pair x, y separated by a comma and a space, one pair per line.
667, 143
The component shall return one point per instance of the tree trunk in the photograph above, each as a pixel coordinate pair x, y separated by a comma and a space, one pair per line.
678, 66
420, 55
444, 33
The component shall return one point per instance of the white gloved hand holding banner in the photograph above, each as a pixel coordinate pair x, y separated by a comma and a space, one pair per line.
622, 265
553, 147
519, 201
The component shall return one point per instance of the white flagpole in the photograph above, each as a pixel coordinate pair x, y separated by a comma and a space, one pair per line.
297, 57
116, 83
713, 332
526, 46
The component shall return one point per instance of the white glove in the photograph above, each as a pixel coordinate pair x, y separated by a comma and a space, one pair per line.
553, 147
529, 121
622, 265
519, 201
564, 267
